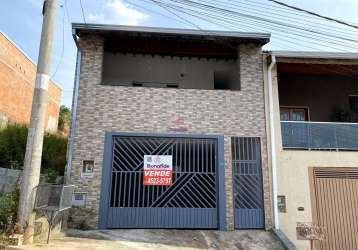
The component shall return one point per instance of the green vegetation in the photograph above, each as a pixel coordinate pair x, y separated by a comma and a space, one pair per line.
64, 118
8, 210
13, 144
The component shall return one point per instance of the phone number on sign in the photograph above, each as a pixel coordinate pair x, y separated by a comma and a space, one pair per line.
157, 181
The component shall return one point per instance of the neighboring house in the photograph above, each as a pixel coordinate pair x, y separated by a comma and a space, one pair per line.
315, 149
195, 96
17, 81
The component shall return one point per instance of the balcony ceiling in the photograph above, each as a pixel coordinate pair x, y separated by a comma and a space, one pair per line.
317, 69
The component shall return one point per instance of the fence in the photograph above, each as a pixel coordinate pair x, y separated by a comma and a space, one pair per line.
8, 178
319, 135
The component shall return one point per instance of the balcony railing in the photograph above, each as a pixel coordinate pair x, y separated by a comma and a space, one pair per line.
319, 135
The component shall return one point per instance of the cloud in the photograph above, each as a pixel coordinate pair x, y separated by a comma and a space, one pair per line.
117, 12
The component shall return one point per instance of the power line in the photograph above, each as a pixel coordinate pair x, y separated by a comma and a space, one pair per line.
223, 13
218, 40
155, 12
63, 44
287, 16
315, 14
327, 28
83, 12
200, 15
211, 7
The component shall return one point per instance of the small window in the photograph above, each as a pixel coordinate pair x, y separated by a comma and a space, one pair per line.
294, 114
353, 102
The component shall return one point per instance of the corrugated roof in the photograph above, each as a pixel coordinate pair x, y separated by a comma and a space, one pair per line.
315, 55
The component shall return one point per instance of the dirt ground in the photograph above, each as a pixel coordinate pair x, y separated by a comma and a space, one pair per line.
159, 240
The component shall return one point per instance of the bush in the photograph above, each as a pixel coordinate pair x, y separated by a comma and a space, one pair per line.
13, 145
8, 209
54, 154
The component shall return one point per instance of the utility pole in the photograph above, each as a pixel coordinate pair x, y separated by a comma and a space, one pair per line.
32, 162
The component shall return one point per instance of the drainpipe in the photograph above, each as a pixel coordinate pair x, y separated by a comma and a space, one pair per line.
73, 117
273, 144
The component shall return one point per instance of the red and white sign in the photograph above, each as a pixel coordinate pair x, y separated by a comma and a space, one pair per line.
158, 170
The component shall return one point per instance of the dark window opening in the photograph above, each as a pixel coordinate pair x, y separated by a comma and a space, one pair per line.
353, 103
133, 70
226, 79
154, 84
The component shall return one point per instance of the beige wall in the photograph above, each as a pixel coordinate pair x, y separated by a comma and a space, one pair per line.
293, 174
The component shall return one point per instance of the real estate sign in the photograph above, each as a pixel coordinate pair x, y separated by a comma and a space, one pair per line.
158, 170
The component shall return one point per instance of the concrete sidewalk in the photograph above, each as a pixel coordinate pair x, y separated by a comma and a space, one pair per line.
160, 240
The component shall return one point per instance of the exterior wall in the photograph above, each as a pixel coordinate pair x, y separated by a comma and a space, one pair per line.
322, 94
17, 82
129, 109
293, 175
120, 69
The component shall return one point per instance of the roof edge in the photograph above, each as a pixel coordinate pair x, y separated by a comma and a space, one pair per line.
265, 37
315, 55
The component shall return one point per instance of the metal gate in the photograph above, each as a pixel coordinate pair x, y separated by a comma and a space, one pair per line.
336, 202
247, 183
192, 201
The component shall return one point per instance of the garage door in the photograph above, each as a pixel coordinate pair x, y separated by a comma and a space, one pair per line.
191, 201
336, 199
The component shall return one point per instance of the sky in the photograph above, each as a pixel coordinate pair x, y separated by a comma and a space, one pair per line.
21, 21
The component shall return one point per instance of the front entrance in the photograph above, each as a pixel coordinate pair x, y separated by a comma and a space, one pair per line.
247, 183
336, 201
194, 200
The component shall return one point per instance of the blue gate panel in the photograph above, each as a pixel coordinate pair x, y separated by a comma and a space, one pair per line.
249, 218
192, 201
247, 183
162, 218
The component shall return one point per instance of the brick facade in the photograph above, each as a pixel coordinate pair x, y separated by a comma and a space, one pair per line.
17, 81
126, 109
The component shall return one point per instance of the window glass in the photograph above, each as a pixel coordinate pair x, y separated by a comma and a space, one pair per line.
293, 114
285, 115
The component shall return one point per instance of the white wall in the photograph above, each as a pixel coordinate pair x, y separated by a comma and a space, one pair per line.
123, 69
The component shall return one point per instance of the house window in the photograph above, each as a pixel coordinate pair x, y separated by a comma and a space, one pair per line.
353, 102
294, 114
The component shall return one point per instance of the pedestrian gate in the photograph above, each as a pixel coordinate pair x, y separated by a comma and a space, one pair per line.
192, 201
247, 183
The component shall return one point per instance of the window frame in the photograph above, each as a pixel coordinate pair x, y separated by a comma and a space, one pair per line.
293, 108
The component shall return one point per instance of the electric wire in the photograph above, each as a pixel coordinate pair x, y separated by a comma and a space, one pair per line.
83, 12
315, 14
63, 44
230, 11
310, 36
270, 28
156, 12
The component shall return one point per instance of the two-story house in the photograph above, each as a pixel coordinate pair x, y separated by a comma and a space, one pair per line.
169, 128
313, 115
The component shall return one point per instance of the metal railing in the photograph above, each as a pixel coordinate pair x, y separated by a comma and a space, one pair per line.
319, 135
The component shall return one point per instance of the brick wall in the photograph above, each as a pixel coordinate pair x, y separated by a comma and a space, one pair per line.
122, 109
17, 81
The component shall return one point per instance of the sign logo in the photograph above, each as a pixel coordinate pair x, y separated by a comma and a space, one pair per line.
158, 170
